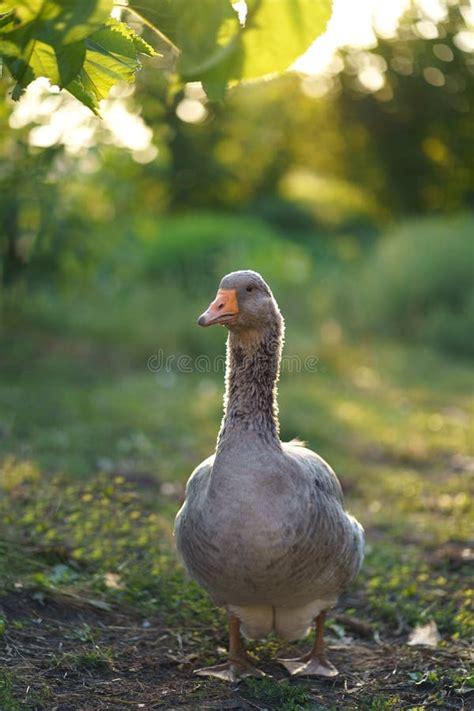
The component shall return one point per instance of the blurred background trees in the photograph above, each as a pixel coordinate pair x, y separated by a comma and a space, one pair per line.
303, 177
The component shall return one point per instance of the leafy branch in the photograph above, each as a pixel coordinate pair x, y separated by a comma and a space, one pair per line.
79, 47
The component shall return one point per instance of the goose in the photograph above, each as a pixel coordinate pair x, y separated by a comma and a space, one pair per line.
263, 527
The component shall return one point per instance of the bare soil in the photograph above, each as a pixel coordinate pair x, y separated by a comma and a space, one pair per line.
151, 666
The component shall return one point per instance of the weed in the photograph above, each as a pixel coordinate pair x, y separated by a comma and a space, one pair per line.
96, 659
8, 701
277, 694
84, 633
380, 702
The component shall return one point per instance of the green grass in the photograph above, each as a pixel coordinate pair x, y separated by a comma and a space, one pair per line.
96, 659
33, 700
280, 695
7, 698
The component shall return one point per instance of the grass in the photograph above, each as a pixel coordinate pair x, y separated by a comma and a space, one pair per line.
94, 458
277, 695
96, 659
7, 698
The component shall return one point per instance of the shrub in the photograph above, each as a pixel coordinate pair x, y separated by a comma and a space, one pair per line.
197, 249
418, 284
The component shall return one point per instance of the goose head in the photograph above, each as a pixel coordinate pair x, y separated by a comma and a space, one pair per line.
243, 301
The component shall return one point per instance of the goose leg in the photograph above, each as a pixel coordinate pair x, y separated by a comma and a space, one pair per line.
314, 663
239, 663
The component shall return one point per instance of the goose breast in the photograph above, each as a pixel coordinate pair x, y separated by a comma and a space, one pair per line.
268, 531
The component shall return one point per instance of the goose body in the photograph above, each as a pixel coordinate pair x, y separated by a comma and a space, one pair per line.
263, 527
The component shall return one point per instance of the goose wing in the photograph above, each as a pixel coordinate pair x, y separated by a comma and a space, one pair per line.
318, 471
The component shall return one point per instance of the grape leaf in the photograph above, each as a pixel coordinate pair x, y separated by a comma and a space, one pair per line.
76, 45
202, 31
140, 44
39, 59
59, 21
79, 47
7, 23
278, 32
70, 60
25, 10
110, 57
216, 49
42, 61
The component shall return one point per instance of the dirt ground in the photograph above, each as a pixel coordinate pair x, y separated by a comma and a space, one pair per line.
151, 667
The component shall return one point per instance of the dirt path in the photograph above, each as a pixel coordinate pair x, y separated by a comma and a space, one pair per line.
63, 656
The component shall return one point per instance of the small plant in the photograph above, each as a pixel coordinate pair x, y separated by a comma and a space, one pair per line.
96, 659
7, 697
84, 633
428, 677
380, 703
277, 694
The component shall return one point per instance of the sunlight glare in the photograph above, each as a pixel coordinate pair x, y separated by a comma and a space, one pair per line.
128, 129
61, 120
191, 111
351, 24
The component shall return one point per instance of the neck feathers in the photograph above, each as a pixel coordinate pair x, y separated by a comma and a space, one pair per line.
252, 371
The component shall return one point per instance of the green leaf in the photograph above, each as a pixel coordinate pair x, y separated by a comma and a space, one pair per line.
130, 34
77, 89
9, 49
216, 49
70, 62
60, 21
278, 32
111, 56
202, 31
75, 20
7, 23
43, 61
25, 10
76, 45
39, 59
45, 38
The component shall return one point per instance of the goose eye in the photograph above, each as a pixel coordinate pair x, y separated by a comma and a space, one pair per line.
250, 288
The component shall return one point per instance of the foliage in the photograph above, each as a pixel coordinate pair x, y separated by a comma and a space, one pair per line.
197, 248
329, 172
216, 48
280, 695
127, 562
344, 149
411, 98
6, 692
418, 284
79, 47
410, 590
271, 143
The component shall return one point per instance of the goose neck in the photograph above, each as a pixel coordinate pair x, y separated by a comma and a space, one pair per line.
252, 371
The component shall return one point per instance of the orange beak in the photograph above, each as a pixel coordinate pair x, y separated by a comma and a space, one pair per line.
222, 310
